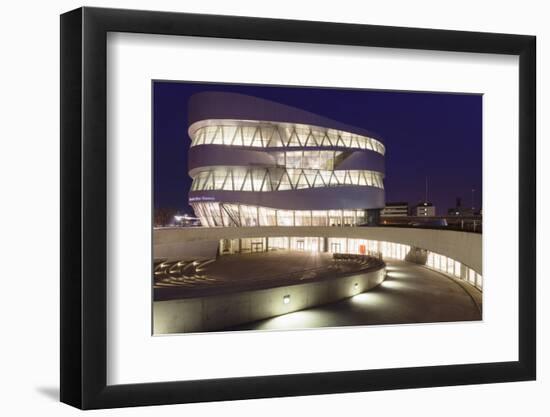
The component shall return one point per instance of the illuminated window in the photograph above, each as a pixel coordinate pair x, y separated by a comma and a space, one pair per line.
285, 218
479, 280
472, 276
302, 218
319, 218
262, 134
457, 271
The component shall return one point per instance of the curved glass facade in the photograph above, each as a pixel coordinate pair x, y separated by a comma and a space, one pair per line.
277, 135
240, 215
269, 179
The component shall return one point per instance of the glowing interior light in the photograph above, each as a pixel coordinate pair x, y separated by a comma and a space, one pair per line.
286, 299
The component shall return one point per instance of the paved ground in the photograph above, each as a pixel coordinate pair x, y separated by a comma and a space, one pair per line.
410, 294
252, 271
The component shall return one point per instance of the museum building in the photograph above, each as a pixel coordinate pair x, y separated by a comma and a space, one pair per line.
256, 162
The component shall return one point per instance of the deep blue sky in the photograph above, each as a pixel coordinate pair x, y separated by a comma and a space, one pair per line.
426, 134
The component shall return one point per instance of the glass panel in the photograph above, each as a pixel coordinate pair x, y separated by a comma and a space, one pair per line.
258, 179
247, 184
249, 215
228, 184
380, 181
361, 178
310, 176
294, 175
210, 134
311, 140
232, 211
208, 183
276, 140
238, 138
333, 180
294, 159
257, 138
430, 260
450, 266
319, 218
302, 218
326, 160
217, 138
335, 217
228, 134
302, 135
202, 138
267, 133
346, 138
326, 140
302, 182
267, 217
248, 135
226, 220
279, 158
284, 183
368, 177
340, 175
311, 160
267, 184
326, 176
317, 137
479, 280
285, 218
318, 181
219, 178
239, 175
457, 269
294, 141
347, 178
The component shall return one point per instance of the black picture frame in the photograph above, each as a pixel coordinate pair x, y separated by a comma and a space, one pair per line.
84, 207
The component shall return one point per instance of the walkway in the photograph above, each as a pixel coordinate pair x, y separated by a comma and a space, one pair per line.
410, 294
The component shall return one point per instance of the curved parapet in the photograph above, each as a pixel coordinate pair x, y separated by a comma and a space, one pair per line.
463, 247
224, 105
251, 157
307, 200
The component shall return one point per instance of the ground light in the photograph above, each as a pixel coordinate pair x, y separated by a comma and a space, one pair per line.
286, 299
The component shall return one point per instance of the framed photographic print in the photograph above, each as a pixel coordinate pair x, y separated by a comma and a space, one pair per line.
258, 208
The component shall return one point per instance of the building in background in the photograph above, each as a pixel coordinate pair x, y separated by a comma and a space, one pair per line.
424, 209
400, 209
459, 210
255, 162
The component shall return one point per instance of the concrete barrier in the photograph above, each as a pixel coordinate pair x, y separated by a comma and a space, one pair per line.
223, 311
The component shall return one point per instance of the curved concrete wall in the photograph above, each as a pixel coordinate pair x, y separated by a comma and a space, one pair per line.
223, 311
322, 198
206, 156
462, 246
225, 105
363, 159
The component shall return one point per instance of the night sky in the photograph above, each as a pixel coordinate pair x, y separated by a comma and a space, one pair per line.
436, 135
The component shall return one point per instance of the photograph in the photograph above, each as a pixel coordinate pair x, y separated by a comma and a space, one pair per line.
293, 207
